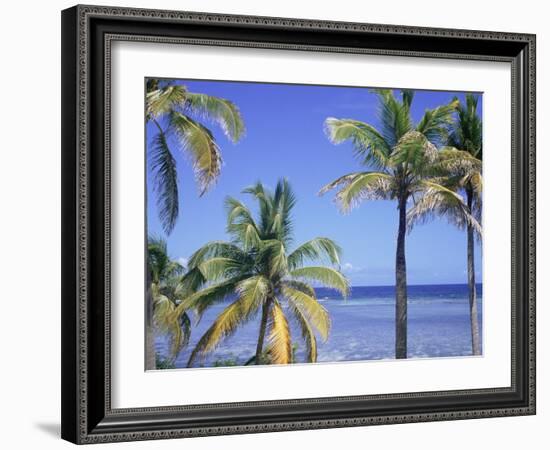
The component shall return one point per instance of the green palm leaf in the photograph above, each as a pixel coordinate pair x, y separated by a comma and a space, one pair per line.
394, 116
436, 200
162, 101
201, 146
216, 249
222, 111
284, 201
237, 211
325, 275
451, 161
415, 152
224, 326
369, 145
435, 124
214, 269
359, 186
163, 166
300, 286
273, 256
265, 203
203, 299
176, 326
315, 249
253, 292
241, 224
466, 133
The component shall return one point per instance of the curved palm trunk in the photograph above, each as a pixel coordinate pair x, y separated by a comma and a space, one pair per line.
474, 324
261, 337
401, 284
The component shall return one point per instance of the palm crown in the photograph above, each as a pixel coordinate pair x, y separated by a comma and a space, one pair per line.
167, 291
402, 157
459, 167
258, 268
176, 113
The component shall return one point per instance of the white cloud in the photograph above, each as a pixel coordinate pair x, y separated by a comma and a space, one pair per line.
350, 268
183, 261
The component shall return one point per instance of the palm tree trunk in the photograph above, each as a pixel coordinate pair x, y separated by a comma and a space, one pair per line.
150, 356
401, 284
263, 327
474, 324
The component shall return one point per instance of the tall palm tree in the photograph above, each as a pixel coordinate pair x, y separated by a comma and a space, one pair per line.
399, 155
461, 164
168, 287
265, 277
176, 113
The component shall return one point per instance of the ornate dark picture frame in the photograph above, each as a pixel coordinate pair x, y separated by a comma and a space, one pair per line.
87, 34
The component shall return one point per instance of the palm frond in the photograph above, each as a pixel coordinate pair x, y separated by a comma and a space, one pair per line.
200, 301
214, 269
160, 265
435, 200
476, 184
219, 110
407, 96
310, 308
369, 145
237, 211
216, 249
435, 123
245, 233
162, 101
279, 340
354, 188
199, 142
318, 248
307, 333
240, 224
163, 167
325, 275
176, 327
415, 151
284, 201
394, 116
253, 292
273, 256
190, 282
224, 326
265, 201
157, 258
454, 162
300, 286
466, 133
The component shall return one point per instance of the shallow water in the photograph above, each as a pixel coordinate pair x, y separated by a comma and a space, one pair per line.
362, 326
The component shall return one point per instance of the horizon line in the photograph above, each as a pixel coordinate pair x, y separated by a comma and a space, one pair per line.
393, 285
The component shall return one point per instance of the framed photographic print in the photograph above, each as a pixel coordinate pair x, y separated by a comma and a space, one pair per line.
281, 224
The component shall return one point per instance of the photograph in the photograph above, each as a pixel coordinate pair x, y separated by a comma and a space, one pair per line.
278, 222
297, 224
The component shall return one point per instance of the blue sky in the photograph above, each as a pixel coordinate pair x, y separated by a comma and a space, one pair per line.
285, 138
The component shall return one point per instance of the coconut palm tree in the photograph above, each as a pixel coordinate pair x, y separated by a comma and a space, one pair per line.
460, 166
168, 287
399, 155
176, 114
264, 277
